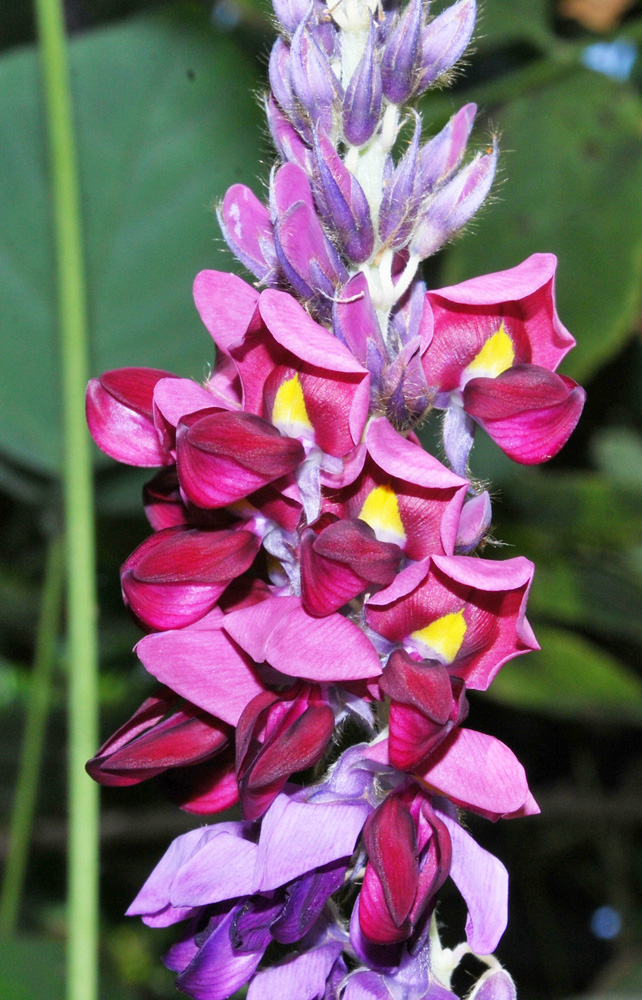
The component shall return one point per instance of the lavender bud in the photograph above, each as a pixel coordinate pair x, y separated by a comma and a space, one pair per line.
401, 197
247, 230
291, 12
444, 41
346, 207
307, 258
313, 79
401, 54
362, 103
279, 74
440, 157
286, 138
404, 386
281, 85
405, 318
458, 436
354, 322
474, 523
454, 204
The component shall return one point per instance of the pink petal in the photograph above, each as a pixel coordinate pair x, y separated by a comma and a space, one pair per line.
477, 772
176, 397
296, 331
528, 411
119, 416
535, 277
226, 305
300, 645
298, 836
204, 666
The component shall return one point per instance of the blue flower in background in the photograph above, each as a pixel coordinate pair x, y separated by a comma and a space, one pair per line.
613, 59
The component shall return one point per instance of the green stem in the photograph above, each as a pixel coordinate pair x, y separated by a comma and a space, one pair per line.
33, 741
79, 524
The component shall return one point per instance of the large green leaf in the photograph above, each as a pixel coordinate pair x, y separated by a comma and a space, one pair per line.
570, 677
166, 120
33, 967
572, 185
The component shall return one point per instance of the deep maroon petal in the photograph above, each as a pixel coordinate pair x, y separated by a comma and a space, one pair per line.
223, 457
391, 844
119, 409
528, 411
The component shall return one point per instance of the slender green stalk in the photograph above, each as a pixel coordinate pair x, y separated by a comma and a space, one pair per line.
33, 740
79, 526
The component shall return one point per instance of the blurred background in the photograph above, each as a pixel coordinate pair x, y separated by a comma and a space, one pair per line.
167, 117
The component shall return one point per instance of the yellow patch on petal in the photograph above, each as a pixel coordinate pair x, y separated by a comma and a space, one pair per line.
444, 636
289, 412
381, 511
495, 357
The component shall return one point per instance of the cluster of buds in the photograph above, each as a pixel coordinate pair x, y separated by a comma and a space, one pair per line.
313, 602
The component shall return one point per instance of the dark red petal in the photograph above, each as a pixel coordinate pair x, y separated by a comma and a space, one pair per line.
425, 684
391, 843
189, 555
183, 738
202, 789
223, 457
528, 411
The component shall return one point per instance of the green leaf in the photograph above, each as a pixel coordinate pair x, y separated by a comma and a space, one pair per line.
570, 677
32, 968
505, 21
566, 509
618, 453
594, 593
573, 186
166, 120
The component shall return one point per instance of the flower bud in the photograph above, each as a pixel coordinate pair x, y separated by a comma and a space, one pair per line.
362, 102
474, 523
247, 230
286, 138
346, 208
454, 204
291, 13
440, 157
401, 54
494, 985
401, 197
444, 41
313, 79
309, 261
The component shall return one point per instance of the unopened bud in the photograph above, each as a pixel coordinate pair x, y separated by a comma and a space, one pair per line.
441, 155
362, 102
444, 41
401, 197
313, 79
454, 204
401, 54
346, 207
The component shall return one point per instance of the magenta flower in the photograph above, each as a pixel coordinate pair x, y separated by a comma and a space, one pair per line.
178, 575
312, 564
406, 496
509, 342
459, 611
